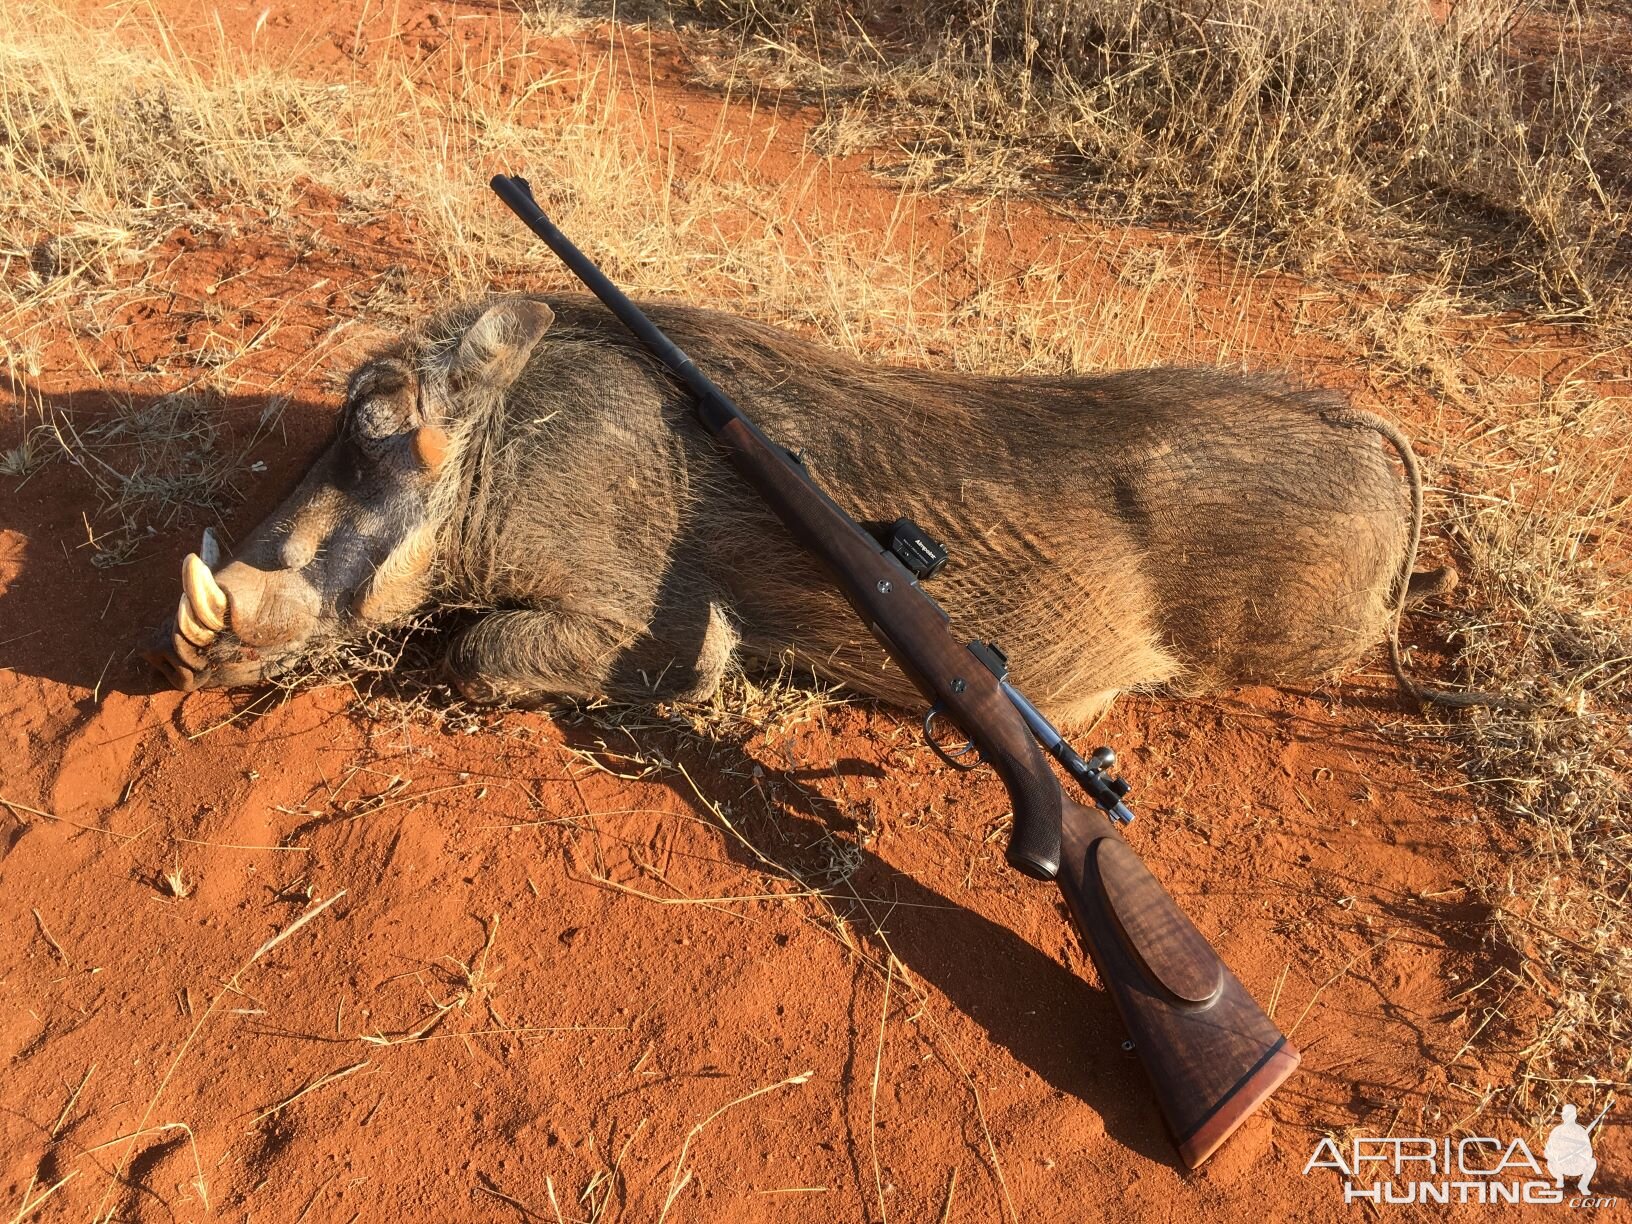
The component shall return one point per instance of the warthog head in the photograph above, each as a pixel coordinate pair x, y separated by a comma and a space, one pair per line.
355, 545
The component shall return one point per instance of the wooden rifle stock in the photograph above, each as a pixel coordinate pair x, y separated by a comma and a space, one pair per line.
1211, 1053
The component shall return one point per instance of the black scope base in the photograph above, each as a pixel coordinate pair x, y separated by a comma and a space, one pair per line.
915, 548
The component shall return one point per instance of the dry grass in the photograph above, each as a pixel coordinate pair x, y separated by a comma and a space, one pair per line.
1316, 131
1550, 565
101, 160
174, 883
86, 166
1534, 502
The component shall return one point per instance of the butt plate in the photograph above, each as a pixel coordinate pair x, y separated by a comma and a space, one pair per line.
1237, 1108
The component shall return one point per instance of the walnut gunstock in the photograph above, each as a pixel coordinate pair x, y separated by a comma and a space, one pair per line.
1211, 1053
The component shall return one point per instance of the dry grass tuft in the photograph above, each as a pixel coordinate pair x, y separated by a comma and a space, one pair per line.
173, 882
1316, 130
1545, 611
747, 705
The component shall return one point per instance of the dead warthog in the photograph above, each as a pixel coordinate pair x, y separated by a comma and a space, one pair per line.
521, 456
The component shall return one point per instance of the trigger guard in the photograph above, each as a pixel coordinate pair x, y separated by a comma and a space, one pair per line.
951, 758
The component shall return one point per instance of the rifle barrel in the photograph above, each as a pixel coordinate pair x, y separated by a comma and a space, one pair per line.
715, 404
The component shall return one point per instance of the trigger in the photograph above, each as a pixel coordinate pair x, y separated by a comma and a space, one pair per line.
955, 757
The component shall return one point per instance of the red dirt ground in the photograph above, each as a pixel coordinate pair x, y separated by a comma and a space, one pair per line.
541, 966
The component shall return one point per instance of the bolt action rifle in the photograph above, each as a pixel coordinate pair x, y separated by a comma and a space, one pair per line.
1211, 1053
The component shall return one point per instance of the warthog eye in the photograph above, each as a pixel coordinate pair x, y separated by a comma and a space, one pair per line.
374, 419
374, 402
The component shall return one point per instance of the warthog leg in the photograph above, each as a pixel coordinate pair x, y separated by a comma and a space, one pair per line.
525, 657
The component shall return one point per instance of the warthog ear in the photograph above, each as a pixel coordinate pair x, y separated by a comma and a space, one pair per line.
494, 351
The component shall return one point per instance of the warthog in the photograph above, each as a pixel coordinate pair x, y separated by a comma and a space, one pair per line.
521, 456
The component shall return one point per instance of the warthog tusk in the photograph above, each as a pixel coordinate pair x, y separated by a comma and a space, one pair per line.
204, 593
188, 627
187, 652
209, 549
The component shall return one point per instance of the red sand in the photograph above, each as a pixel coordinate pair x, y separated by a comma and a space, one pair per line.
547, 976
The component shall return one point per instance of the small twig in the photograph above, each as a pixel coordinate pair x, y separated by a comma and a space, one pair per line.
1280, 984
522, 1031
315, 1195
711, 902
193, 841
96, 693
230, 985
27, 1209
249, 709
198, 1165
481, 958
55, 946
418, 1034
389, 801
320, 1082
1490, 1014
62, 1118
487, 1187
23, 807
681, 1176
1349, 964
872, 1105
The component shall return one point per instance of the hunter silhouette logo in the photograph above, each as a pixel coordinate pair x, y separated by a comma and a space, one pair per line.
1569, 1150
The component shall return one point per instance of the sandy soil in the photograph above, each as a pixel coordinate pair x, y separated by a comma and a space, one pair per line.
545, 967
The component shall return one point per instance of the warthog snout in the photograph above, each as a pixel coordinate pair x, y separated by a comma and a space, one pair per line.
236, 626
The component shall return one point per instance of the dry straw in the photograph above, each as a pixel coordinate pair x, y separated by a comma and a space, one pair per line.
1318, 131
1268, 125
